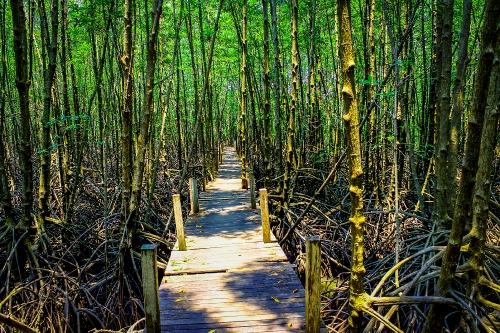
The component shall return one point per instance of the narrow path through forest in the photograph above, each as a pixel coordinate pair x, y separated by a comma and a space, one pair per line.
229, 280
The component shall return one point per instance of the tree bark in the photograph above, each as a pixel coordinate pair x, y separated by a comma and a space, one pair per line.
440, 214
276, 86
267, 98
243, 152
351, 119
23, 85
291, 154
457, 106
49, 57
5, 196
128, 86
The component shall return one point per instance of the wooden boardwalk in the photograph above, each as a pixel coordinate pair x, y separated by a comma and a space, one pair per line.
229, 280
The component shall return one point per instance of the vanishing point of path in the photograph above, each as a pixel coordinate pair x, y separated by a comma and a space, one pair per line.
229, 280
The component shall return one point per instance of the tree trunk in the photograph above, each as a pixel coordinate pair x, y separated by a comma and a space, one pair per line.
440, 214
357, 219
23, 85
291, 154
143, 137
128, 86
267, 98
243, 153
276, 86
458, 100
65, 109
5, 196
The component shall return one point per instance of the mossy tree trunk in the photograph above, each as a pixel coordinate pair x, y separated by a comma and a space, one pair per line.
351, 119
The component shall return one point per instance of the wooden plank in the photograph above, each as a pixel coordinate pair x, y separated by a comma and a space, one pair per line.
275, 295
233, 319
243, 326
236, 309
213, 286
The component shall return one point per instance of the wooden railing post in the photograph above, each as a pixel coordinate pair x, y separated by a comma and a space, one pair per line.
150, 288
179, 223
313, 284
264, 214
193, 195
252, 190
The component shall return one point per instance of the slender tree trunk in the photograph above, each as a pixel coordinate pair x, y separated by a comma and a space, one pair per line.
178, 116
267, 98
356, 288
5, 197
65, 109
49, 56
197, 106
128, 86
457, 107
276, 86
291, 154
203, 129
146, 114
314, 137
23, 85
372, 136
243, 153
440, 214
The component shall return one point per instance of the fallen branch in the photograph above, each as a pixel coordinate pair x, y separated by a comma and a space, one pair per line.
16, 324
